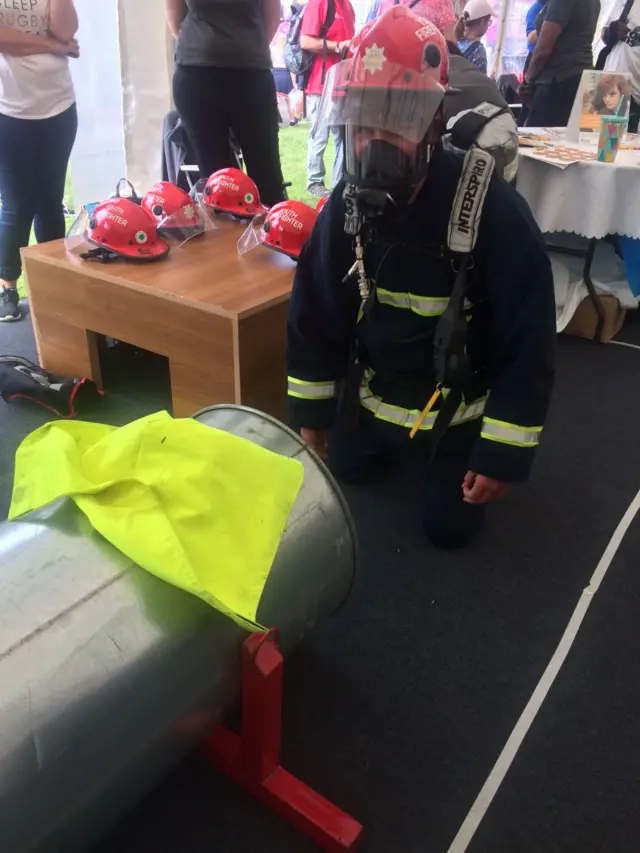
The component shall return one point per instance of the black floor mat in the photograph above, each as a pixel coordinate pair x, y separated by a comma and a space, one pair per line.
575, 784
398, 708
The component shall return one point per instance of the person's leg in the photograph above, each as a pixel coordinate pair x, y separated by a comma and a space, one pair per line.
55, 143
338, 163
201, 100
552, 103
253, 112
564, 96
357, 455
539, 108
18, 193
447, 520
318, 139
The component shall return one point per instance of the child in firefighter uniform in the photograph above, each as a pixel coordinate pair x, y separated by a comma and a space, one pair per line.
422, 319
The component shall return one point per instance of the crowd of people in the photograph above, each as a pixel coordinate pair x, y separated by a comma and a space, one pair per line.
230, 67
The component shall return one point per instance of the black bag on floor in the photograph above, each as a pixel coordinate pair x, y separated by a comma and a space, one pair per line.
21, 379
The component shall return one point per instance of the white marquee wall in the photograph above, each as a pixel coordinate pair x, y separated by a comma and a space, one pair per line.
123, 86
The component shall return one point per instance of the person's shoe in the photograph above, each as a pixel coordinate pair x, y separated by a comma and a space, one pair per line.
318, 190
9, 310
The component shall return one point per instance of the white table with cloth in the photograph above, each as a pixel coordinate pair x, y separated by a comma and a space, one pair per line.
585, 198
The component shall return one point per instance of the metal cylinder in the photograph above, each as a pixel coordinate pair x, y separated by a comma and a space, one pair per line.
109, 676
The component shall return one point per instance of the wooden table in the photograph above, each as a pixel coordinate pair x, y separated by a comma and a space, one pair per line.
218, 318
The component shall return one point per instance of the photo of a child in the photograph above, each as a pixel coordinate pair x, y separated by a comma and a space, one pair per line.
611, 95
602, 94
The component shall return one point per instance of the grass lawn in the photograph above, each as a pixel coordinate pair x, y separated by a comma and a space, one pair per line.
293, 154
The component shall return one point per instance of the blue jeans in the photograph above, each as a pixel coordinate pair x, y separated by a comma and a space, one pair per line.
318, 141
34, 156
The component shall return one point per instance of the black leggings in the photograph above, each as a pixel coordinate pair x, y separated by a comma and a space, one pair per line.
34, 156
214, 101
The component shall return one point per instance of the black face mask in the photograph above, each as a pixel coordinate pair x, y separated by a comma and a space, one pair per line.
385, 170
383, 164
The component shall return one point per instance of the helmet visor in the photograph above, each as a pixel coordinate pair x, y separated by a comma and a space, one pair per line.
185, 224
75, 240
381, 95
253, 235
377, 158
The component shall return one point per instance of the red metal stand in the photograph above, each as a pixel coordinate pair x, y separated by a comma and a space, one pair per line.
252, 759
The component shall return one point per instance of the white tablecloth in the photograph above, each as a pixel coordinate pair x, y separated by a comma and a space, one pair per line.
589, 198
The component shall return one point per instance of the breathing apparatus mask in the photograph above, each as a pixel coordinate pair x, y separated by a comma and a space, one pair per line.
384, 169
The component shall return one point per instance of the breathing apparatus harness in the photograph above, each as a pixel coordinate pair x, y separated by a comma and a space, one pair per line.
451, 362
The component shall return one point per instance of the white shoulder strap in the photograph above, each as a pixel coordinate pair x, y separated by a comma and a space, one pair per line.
469, 201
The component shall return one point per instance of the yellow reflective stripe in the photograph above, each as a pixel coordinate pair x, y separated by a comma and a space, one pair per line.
425, 306
304, 390
514, 434
409, 417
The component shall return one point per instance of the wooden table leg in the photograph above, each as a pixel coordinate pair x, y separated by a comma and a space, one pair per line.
195, 387
262, 339
67, 350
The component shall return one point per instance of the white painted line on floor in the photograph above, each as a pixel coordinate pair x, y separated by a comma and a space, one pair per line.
502, 765
625, 344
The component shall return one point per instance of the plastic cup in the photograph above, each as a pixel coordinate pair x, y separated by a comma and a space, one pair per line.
612, 129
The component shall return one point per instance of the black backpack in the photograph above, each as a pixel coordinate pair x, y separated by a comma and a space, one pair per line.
297, 60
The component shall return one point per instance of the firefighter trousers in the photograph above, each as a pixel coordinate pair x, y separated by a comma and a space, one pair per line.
358, 455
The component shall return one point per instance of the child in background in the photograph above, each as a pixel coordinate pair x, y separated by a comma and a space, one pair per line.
284, 80
471, 29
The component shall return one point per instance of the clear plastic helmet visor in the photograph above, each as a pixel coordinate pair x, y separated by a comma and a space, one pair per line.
190, 221
253, 235
75, 240
401, 101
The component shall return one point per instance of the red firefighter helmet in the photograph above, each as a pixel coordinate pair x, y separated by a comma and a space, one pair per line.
396, 75
231, 191
322, 202
286, 228
177, 216
164, 200
121, 227
388, 93
399, 39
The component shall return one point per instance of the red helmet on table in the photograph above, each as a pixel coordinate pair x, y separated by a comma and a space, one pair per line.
387, 95
122, 228
165, 199
286, 228
231, 191
177, 216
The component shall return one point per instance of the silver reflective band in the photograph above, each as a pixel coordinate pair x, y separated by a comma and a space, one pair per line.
310, 390
425, 306
409, 417
513, 434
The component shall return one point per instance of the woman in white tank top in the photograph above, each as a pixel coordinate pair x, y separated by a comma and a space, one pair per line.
38, 125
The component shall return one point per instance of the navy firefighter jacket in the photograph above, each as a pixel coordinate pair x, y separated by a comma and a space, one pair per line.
511, 308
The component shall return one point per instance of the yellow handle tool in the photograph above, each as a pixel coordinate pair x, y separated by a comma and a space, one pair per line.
434, 398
